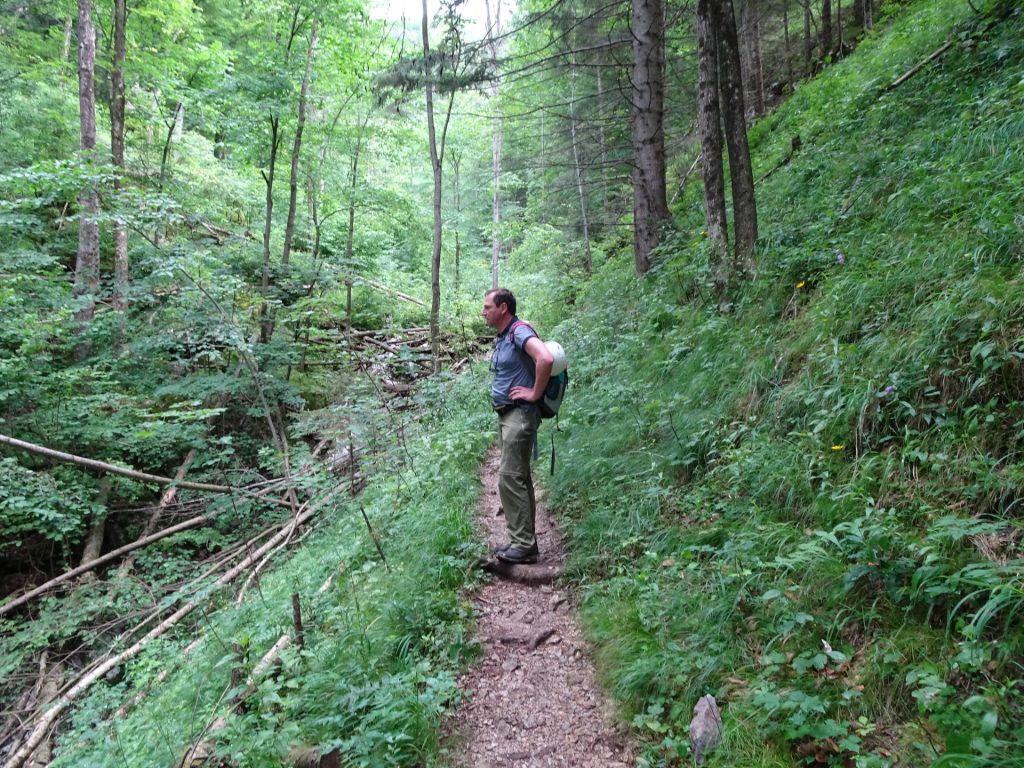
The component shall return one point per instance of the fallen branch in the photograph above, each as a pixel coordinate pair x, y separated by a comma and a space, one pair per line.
195, 522
918, 67
391, 292
48, 718
114, 469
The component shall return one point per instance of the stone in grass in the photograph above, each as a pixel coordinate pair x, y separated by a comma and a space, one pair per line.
705, 728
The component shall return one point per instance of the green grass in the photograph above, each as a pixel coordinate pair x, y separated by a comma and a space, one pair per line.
382, 645
810, 508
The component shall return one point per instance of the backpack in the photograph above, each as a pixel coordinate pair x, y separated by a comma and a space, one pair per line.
554, 392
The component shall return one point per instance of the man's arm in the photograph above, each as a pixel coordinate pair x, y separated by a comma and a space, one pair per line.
543, 361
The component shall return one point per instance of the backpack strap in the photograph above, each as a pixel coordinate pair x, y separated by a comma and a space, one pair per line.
512, 332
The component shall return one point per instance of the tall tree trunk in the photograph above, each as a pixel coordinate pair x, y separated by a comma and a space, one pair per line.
93, 547
578, 166
603, 139
826, 27
435, 164
709, 122
650, 199
787, 47
455, 158
759, 107
172, 129
65, 48
493, 34
741, 171
293, 179
266, 319
121, 266
87, 263
808, 40
839, 28
746, 38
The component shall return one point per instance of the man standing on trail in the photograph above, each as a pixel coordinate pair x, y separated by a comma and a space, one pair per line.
521, 365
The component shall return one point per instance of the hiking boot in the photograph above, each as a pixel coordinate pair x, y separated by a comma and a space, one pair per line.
517, 555
497, 550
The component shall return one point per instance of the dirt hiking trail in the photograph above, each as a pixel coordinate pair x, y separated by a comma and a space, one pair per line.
532, 700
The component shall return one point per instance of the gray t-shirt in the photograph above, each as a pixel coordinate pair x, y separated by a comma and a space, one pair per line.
511, 365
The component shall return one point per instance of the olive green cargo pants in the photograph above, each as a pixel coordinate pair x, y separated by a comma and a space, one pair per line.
517, 430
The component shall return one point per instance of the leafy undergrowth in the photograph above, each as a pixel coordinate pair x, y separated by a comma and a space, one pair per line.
382, 642
811, 508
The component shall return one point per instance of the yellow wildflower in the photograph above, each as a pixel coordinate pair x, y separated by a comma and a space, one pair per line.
838, 447
801, 284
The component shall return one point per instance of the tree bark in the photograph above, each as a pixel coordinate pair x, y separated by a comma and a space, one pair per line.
839, 28
826, 27
87, 263
436, 157
267, 322
808, 40
650, 200
709, 122
786, 43
493, 32
117, 103
293, 179
759, 105
741, 171
578, 166
172, 129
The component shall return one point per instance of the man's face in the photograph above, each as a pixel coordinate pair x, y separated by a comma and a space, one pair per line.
492, 314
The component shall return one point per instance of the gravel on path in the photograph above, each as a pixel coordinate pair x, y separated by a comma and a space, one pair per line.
532, 700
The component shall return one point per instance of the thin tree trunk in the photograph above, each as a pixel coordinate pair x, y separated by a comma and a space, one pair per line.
650, 200
97, 530
351, 233
435, 165
65, 48
117, 103
758, 74
172, 129
293, 179
826, 27
455, 158
603, 139
788, 48
87, 263
740, 169
839, 28
577, 165
808, 40
709, 120
51, 677
493, 32
267, 323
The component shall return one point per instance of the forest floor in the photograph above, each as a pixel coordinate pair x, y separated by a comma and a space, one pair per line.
532, 699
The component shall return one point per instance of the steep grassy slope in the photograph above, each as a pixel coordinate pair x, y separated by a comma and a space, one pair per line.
811, 507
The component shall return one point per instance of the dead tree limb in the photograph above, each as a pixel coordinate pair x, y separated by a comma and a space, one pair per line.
47, 719
195, 522
918, 67
114, 469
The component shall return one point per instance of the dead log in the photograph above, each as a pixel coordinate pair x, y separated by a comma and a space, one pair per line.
311, 757
46, 720
195, 522
918, 67
198, 753
102, 466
